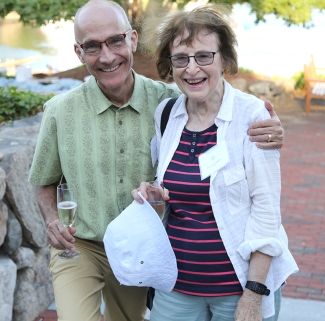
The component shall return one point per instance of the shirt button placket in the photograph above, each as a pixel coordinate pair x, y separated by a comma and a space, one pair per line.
120, 156
120, 122
193, 144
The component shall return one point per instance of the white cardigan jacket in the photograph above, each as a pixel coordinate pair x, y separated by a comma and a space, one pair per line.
245, 194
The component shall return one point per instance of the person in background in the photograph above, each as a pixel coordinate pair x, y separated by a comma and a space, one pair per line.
98, 136
223, 216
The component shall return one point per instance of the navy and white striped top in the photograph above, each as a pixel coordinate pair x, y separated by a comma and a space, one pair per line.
204, 268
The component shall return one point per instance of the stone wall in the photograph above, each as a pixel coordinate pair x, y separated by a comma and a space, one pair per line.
25, 282
280, 92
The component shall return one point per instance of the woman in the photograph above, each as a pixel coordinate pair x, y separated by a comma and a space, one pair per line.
223, 218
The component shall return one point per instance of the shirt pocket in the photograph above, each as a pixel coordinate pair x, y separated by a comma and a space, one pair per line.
237, 193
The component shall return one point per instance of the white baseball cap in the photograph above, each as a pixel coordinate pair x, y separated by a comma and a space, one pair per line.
138, 249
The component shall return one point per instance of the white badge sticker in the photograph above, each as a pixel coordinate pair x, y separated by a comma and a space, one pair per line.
214, 159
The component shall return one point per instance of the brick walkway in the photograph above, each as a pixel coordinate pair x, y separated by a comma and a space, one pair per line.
302, 204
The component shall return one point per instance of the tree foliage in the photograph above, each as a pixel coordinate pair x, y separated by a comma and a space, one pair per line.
294, 12
40, 12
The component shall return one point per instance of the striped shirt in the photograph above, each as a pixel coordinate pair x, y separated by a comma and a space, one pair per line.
204, 268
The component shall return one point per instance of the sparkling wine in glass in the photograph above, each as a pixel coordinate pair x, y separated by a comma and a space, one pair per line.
67, 206
155, 198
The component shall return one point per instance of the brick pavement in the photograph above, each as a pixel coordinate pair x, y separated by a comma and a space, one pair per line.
302, 203
50, 315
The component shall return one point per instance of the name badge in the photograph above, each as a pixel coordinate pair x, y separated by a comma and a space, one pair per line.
214, 159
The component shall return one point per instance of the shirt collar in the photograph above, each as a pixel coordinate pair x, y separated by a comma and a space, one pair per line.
181, 106
104, 103
225, 112
137, 93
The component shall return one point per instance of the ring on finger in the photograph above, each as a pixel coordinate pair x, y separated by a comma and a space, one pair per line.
270, 137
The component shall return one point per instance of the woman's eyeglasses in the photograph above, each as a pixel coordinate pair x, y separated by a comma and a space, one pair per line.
202, 58
93, 47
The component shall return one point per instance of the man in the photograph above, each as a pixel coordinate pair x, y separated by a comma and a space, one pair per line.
98, 136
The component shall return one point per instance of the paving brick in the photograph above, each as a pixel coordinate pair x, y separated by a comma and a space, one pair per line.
294, 294
317, 284
309, 290
318, 297
304, 274
48, 315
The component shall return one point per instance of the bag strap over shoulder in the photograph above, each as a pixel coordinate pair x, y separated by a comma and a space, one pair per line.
62, 180
163, 123
165, 114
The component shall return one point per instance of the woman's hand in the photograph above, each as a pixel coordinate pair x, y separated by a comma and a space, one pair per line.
143, 190
249, 307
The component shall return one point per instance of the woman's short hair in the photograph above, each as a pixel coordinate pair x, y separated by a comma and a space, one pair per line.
210, 18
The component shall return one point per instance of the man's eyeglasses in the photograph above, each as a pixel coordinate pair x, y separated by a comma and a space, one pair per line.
202, 58
93, 47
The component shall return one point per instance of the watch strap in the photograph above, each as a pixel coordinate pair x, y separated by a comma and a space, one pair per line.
257, 287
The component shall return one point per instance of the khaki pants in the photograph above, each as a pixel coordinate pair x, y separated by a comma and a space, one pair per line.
80, 283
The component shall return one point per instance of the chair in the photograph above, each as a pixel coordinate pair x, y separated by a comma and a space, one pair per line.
314, 85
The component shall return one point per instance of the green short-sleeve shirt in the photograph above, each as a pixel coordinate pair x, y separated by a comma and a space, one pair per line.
102, 149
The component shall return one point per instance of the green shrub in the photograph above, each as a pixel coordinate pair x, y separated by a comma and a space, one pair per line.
300, 83
16, 104
246, 71
299, 79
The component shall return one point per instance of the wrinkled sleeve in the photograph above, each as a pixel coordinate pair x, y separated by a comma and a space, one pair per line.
46, 166
264, 182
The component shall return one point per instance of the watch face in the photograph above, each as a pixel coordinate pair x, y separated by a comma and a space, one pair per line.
260, 289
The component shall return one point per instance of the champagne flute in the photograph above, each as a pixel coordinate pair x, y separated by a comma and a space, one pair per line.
155, 194
67, 205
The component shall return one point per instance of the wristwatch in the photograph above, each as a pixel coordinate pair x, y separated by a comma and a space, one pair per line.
257, 287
